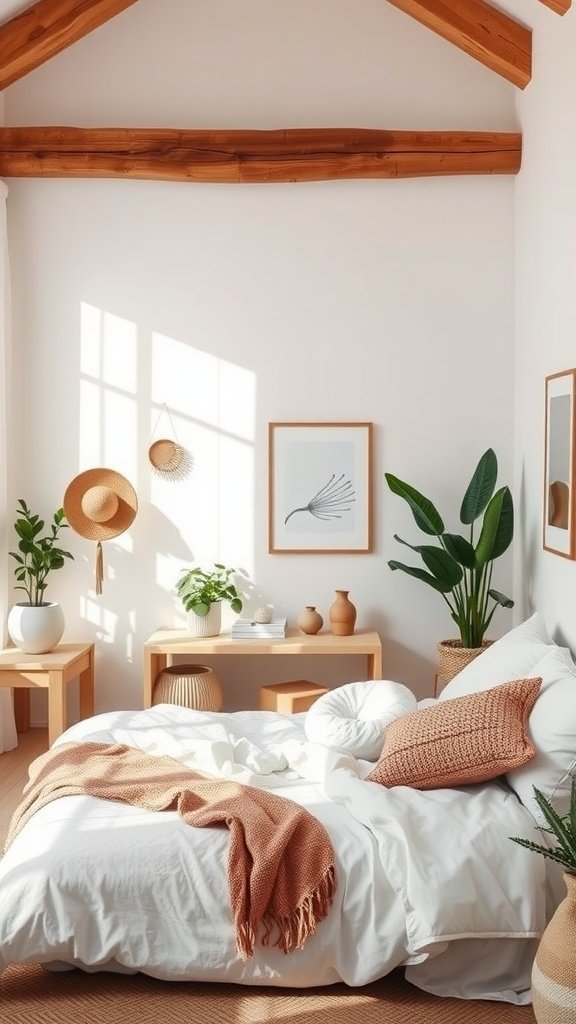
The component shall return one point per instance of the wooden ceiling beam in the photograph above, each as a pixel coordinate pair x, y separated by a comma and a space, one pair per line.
492, 37
292, 154
560, 6
46, 28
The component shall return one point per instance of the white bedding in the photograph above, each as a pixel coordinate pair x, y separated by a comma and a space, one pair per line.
424, 878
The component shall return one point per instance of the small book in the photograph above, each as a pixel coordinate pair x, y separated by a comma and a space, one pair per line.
247, 628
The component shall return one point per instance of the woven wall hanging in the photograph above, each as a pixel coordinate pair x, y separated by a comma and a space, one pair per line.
169, 459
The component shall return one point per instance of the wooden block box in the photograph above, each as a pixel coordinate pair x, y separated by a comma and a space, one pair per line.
288, 698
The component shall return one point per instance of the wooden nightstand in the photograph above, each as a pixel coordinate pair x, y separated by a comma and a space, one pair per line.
53, 672
287, 698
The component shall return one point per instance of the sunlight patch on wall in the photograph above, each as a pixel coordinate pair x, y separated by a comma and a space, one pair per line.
136, 388
108, 402
212, 405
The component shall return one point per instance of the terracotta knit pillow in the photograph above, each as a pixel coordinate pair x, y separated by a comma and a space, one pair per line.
460, 741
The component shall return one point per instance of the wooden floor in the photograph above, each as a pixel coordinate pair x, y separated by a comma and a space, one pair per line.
14, 773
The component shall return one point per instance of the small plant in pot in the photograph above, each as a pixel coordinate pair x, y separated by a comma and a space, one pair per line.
36, 625
460, 568
554, 968
202, 594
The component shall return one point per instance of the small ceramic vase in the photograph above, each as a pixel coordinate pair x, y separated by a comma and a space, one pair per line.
342, 615
310, 620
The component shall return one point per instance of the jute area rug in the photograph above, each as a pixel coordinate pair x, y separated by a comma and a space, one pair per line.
29, 995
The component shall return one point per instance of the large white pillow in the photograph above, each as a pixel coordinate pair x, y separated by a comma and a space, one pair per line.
352, 718
513, 656
552, 729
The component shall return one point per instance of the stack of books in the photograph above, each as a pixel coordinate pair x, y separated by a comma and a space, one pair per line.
244, 629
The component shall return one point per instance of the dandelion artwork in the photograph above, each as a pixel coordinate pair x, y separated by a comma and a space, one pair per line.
332, 501
320, 487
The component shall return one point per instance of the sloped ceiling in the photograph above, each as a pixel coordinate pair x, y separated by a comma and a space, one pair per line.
31, 33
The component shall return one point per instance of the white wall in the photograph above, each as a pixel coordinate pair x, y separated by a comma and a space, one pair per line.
546, 298
389, 301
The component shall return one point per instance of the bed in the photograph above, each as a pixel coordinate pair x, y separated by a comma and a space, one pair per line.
427, 879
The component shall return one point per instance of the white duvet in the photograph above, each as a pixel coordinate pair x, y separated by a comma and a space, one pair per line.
423, 878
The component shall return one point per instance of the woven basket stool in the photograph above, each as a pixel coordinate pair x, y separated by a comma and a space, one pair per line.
191, 686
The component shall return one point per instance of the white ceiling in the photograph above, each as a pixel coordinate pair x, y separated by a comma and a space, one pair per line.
516, 8
8, 8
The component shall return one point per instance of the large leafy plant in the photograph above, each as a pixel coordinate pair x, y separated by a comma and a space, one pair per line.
198, 589
563, 828
460, 568
37, 556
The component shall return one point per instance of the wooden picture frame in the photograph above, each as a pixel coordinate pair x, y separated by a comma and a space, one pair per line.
559, 533
320, 488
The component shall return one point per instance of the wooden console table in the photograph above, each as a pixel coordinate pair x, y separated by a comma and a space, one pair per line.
52, 672
166, 643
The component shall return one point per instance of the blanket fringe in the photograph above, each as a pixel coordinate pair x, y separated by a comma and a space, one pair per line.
291, 931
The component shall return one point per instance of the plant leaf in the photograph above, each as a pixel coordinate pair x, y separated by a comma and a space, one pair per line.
439, 562
480, 489
427, 517
501, 599
420, 574
460, 549
557, 825
497, 527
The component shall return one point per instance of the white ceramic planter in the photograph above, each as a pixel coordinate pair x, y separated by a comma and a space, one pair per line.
206, 625
36, 629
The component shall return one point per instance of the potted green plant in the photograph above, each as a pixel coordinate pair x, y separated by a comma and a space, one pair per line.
36, 625
460, 567
554, 969
562, 827
202, 594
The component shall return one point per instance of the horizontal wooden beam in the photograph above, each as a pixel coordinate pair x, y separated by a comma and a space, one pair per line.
560, 6
46, 28
291, 154
492, 37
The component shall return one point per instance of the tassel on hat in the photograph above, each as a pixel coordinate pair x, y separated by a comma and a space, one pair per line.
99, 568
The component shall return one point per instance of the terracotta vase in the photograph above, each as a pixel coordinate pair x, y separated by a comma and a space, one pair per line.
554, 969
342, 615
310, 620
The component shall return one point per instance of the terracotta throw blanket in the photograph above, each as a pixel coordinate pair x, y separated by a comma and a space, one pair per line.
280, 863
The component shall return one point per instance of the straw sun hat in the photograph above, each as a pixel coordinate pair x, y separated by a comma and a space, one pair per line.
100, 504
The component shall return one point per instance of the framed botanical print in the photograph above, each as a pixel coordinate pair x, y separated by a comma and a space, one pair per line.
320, 488
559, 465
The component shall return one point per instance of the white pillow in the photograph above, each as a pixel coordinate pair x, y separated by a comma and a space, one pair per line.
552, 729
352, 718
513, 656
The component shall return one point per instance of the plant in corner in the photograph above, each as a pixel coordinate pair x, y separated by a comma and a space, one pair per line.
457, 567
562, 827
554, 969
202, 593
36, 625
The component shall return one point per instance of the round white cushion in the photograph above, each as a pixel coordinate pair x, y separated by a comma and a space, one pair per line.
353, 717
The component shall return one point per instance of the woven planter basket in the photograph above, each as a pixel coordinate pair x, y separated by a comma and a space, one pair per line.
453, 657
192, 686
554, 970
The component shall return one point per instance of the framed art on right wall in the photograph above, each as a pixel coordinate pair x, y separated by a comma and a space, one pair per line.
559, 465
